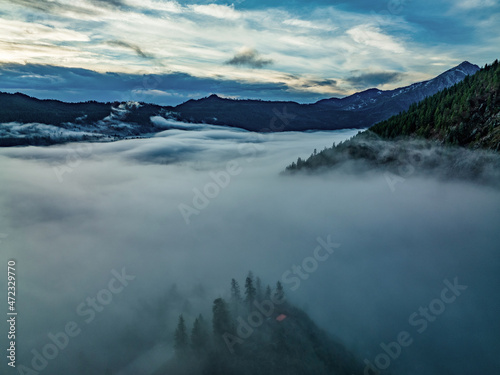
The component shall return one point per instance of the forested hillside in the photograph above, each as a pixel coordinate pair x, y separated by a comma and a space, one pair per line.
466, 114
256, 332
439, 134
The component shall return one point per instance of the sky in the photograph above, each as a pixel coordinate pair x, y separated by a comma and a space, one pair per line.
167, 52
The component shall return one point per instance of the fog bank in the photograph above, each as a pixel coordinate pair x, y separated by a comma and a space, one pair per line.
184, 212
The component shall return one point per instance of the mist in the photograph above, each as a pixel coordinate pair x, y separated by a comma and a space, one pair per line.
187, 210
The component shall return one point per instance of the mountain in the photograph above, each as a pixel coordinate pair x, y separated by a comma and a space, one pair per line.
29, 121
438, 133
360, 110
25, 120
400, 99
466, 114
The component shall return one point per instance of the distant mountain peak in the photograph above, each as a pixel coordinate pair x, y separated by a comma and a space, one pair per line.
465, 67
467, 64
403, 96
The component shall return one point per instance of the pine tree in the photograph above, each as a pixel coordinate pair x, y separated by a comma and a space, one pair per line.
279, 293
267, 295
221, 320
250, 291
181, 337
235, 298
199, 336
235, 291
300, 163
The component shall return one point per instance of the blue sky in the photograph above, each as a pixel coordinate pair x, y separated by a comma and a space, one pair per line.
170, 51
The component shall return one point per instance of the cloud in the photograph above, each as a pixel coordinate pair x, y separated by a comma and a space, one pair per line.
322, 82
249, 57
367, 153
76, 84
374, 37
108, 3
475, 4
54, 7
197, 37
308, 24
131, 46
217, 11
374, 79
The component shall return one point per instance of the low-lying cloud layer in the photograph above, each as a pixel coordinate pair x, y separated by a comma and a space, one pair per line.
399, 159
76, 215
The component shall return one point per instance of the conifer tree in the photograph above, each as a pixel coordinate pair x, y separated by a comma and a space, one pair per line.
235, 291
180, 337
279, 293
235, 298
221, 320
199, 336
267, 295
250, 291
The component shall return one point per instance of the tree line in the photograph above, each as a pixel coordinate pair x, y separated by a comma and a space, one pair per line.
256, 330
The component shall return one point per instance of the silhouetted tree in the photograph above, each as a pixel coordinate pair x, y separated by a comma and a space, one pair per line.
250, 291
235, 290
221, 320
267, 295
180, 337
279, 293
199, 336
235, 298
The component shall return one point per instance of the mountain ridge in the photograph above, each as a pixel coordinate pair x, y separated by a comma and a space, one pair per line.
92, 121
360, 110
465, 68
454, 133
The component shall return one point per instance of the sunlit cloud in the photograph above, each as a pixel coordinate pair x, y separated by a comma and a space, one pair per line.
217, 11
13, 30
373, 37
308, 24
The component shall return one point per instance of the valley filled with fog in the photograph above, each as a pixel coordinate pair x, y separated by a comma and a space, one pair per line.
189, 209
